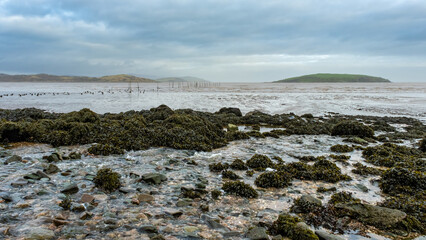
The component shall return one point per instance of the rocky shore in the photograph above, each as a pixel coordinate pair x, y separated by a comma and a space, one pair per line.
184, 174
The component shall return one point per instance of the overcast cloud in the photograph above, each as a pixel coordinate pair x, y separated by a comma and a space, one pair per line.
221, 40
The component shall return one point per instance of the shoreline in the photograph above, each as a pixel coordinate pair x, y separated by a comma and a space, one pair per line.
291, 162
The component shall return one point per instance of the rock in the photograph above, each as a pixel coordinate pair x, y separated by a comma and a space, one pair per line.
126, 190
54, 157
212, 223
70, 189
74, 155
14, 158
190, 229
175, 214
6, 197
32, 176
85, 216
231, 234
323, 235
19, 183
257, 233
59, 222
147, 229
145, 198
362, 187
75, 207
372, 215
232, 127
154, 178
42, 174
39, 233
86, 198
184, 203
51, 169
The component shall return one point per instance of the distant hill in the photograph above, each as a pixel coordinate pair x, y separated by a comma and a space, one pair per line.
54, 78
329, 77
181, 79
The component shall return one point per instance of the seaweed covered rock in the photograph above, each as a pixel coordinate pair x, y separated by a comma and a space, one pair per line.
310, 158
389, 155
259, 161
238, 164
239, 188
161, 112
104, 150
343, 197
230, 175
328, 171
289, 226
364, 170
216, 194
341, 148
107, 180
352, 128
12, 131
411, 204
236, 135
85, 115
306, 204
218, 167
230, 110
273, 179
403, 181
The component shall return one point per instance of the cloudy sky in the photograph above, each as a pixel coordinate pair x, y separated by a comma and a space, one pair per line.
220, 40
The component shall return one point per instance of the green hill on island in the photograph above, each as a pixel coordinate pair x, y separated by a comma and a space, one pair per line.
54, 78
181, 79
329, 77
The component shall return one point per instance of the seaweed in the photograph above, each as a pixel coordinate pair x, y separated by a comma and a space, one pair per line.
352, 128
230, 175
241, 189
259, 162
287, 226
273, 179
343, 197
218, 167
364, 170
341, 148
104, 149
400, 180
107, 180
216, 194
390, 155
238, 164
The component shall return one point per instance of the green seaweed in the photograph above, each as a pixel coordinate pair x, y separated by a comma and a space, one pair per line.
273, 179
238, 164
259, 162
239, 188
341, 148
107, 180
286, 226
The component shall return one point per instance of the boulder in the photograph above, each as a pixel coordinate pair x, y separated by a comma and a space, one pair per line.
372, 215
257, 233
154, 178
14, 158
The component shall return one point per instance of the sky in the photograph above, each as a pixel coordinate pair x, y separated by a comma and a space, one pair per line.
220, 40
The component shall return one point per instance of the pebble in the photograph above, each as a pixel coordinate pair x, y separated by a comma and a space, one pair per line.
86, 198
145, 198
14, 158
39, 233
70, 189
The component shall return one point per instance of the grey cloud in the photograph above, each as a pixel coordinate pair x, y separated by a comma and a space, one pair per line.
177, 37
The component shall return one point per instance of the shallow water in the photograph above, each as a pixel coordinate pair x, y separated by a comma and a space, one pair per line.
381, 99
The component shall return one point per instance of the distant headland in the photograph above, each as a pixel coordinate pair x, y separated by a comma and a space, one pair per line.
109, 78
330, 77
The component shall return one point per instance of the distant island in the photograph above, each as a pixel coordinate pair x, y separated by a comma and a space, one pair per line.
181, 79
330, 77
110, 78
